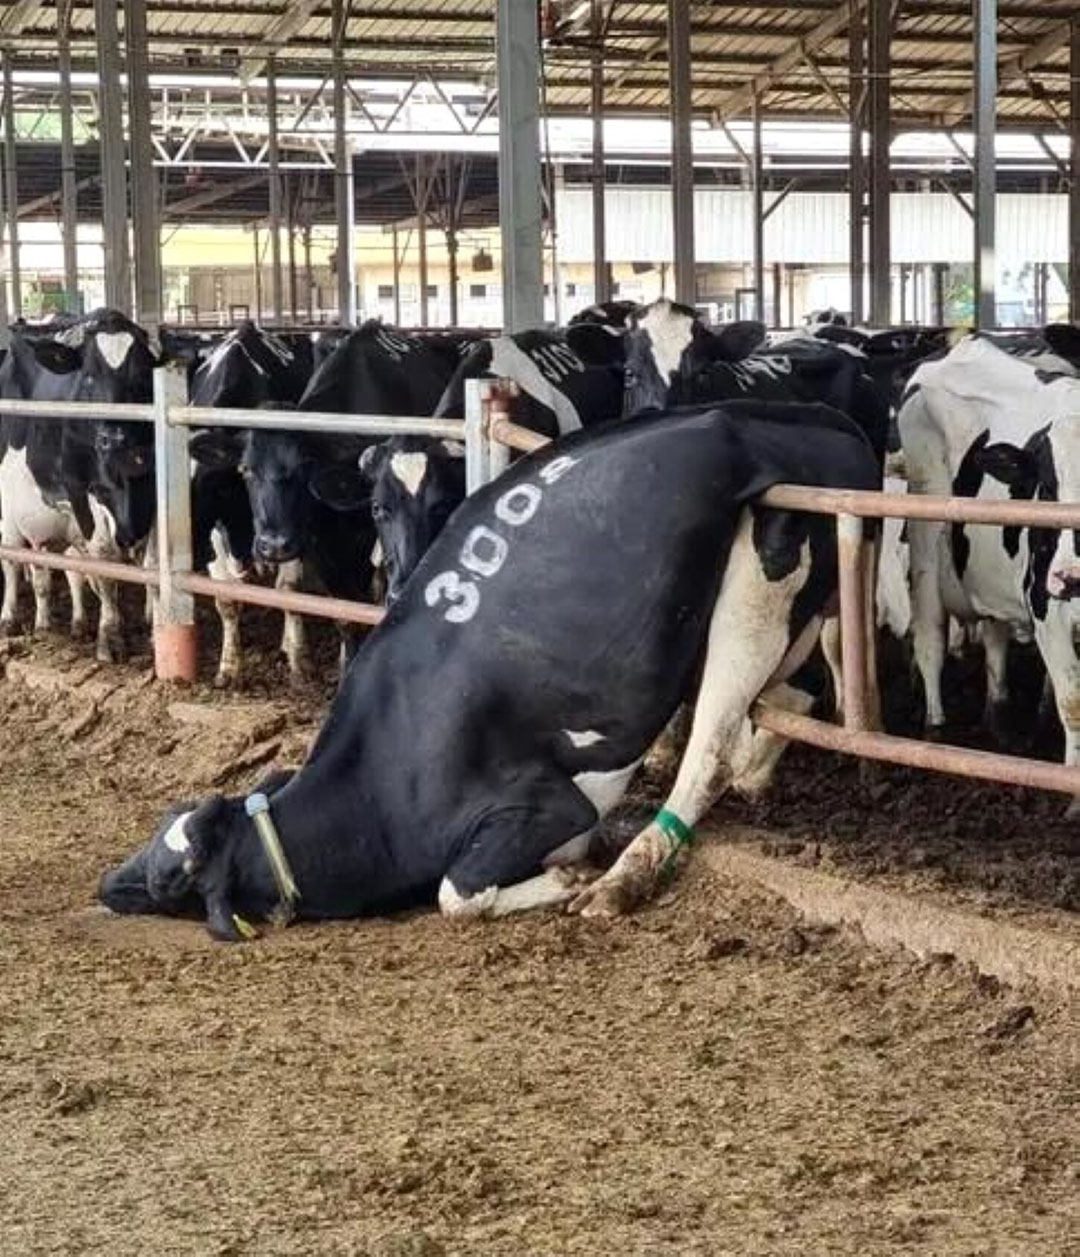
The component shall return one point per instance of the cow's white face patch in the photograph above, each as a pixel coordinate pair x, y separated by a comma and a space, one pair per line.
586, 738
114, 347
410, 469
175, 837
670, 332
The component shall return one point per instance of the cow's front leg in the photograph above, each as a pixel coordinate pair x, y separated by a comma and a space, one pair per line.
110, 635
41, 580
749, 647
9, 612
77, 587
231, 659
294, 644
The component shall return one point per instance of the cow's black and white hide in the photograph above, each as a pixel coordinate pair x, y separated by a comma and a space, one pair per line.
296, 535
980, 423
75, 483
413, 484
563, 671
558, 392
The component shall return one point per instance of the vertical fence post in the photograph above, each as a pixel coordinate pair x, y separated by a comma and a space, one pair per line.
477, 441
174, 625
849, 533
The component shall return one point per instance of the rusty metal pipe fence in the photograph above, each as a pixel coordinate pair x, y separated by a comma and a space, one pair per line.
855, 566
171, 576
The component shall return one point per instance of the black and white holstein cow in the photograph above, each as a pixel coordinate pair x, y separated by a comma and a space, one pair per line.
249, 369
74, 484
980, 423
302, 522
568, 623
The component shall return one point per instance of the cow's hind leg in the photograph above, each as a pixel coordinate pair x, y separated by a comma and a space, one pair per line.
996, 635
77, 587
749, 641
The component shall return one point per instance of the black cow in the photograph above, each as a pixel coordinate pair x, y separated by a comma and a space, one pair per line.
568, 605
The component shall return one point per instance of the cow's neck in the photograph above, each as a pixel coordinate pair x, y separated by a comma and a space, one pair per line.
332, 858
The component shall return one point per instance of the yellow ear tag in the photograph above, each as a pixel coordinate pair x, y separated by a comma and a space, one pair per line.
245, 928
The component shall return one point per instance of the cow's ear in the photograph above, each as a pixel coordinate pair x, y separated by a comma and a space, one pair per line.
216, 450
206, 830
1011, 465
339, 486
371, 459
59, 359
735, 341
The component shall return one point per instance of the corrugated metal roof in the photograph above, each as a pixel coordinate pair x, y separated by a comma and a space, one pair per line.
931, 48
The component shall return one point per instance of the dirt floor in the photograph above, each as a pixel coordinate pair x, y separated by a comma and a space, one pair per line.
711, 1076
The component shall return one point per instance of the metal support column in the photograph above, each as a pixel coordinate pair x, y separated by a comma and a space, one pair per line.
290, 239
273, 158
343, 174
601, 273
1074, 188
520, 208
113, 173
857, 93
452, 267
757, 184
256, 273
175, 642
985, 128
880, 29
682, 150
11, 182
423, 189
69, 208
397, 278
146, 222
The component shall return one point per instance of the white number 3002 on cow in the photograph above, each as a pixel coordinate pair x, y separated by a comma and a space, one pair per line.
485, 551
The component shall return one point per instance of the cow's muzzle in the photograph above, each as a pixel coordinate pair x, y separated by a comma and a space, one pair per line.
275, 548
1063, 586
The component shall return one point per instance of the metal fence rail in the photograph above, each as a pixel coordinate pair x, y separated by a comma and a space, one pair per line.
858, 657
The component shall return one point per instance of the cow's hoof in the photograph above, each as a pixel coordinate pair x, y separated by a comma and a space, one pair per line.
1072, 812
8, 628
227, 681
604, 899
110, 649
573, 875
80, 631
934, 733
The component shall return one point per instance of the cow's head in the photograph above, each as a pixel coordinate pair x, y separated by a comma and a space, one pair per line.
1046, 467
414, 484
118, 361
276, 468
124, 479
667, 345
200, 862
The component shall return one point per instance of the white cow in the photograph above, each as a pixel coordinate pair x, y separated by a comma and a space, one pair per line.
980, 423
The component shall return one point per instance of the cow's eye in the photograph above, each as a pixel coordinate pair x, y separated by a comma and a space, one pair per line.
630, 377
379, 513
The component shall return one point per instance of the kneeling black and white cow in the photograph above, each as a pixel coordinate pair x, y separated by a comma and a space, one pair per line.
981, 423
568, 621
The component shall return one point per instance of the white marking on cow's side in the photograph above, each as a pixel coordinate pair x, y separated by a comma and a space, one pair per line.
410, 469
605, 790
114, 347
670, 332
546, 890
175, 837
74, 337
510, 362
772, 368
586, 738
